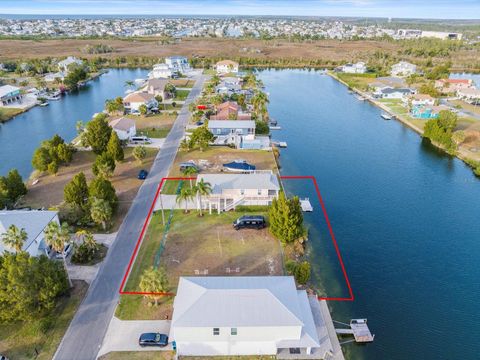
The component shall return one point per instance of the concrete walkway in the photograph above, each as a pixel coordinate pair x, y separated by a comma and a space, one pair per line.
122, 335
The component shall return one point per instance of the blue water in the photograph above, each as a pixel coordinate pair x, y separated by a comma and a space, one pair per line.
20, 136
405, 215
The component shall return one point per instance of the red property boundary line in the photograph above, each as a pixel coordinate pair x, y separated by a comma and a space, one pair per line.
322, 204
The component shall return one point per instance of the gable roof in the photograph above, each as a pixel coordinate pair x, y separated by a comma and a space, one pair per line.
138, 97
122, 124
158, 84
255, 180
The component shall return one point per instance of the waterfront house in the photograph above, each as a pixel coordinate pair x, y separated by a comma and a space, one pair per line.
161, 71
133, 101
65, 64
250, 315
357, 68
52, 77
230, 110
451, 86
232, 132
226, 67
9, 95
178, 63
403, 69
419, 99
469, 94
392, 93
232, 190
426, 112
34, 223
124, 127
156, 87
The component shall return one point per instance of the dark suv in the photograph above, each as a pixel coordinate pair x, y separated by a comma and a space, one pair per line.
153, 339
250, 222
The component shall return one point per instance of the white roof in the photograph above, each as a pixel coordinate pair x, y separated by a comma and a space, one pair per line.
243, 301
7, 89
254, 180
231, 124
34, 222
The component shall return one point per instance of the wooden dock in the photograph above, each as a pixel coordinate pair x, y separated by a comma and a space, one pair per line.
359, 329
281, 144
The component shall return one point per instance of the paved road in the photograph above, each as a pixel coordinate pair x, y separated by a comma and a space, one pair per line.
85, 334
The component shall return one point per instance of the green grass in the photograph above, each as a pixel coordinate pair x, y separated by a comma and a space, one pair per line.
209, 72
19, 340
156, 133
134, 307
181, 95
8, 113
170, 187
139, 355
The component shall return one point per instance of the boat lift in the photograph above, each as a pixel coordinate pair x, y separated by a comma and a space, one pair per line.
358, 328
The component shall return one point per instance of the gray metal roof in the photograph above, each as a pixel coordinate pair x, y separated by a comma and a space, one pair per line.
254, 180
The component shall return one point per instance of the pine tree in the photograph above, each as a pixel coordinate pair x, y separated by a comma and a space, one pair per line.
76, 191
114, 147
286, 218
101, 188
104, 165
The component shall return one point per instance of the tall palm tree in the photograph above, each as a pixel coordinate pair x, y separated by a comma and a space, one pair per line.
14, 238
203, 189
129, 83
57, 236
259, 102
185, 195
189, 172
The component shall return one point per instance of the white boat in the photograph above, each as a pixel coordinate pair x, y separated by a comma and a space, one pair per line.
360, 98
45, 103
54, 96
386, 116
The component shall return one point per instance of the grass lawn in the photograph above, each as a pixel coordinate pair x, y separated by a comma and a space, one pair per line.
183, 83
139, 355
8, 113
48, 192
209, 72
162, 121
358, 81
19, 341
156, 133
181, 95
466, 106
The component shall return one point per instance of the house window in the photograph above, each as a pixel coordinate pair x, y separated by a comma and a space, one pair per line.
242, 192
233, 331
216, 331
259, 192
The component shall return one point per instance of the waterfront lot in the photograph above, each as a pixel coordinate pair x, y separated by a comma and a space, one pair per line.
7, 113
154, 126
48, 192
21, 340
197, 245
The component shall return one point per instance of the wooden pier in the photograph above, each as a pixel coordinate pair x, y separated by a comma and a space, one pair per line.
358, 328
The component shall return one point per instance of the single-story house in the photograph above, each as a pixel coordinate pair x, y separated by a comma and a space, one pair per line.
403, 69
230, 110
178, 63
34, 223
51, 77
65, 64
420, 99
358, 68
469, 94
427, 112
9, 95
161, 71
226, 66
124, 127
231, 190
248, 315
133, 101
392, 93
156, 87
449, 86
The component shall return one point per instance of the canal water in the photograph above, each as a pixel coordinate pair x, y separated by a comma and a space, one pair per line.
406, 218
19, 137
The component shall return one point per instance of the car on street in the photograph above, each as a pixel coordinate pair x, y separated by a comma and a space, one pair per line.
250, 222
153, 339
142, 175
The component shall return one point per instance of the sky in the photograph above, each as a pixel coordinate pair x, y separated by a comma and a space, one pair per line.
433, 9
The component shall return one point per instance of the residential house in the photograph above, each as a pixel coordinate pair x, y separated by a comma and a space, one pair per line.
232, 132
451, 86
427, 112
403, 69
161, 71
469, 94
156, 87
65, 64
226, 67
9, 95
392, 93
51, 77
34, 223
230, 110
124, 127
133, 101
178, 63
232, 190
419, 99
358, 68
250, 315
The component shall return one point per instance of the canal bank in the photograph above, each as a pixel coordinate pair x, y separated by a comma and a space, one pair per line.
404, 215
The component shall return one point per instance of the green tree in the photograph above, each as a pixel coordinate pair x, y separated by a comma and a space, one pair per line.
154, 281
201, 138
4, 200
97, 134
429, 89
76, 73
114, 106
114, 147
143, 109
104, 165
53, 167
301, 271
76, 191
259, 102
41, 159
15, 185
261, 128
139, 153
101, 212
203, 189
185, 195
14, 238
65, 153
57, 236
458, 137
101, 188
447, 120
190, 171
286, 218
185, 145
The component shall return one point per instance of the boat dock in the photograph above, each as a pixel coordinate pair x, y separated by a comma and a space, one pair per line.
358, 328
305, 204
281, 144
275, 127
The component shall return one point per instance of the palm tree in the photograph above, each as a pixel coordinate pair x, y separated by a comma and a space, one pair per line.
154, 281
101, 212
14, 238
129, 83
87, 239
203, 189
185, 195
189, 172
259, 102
57, 236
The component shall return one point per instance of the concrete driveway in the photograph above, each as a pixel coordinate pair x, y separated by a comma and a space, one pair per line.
156, 143
122, 335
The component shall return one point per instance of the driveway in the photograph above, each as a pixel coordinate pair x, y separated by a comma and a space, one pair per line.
84, 336
122, 335
156, 143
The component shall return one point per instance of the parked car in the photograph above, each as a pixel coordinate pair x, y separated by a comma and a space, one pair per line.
153, 339
250, 222
186, 165
142, 175
140, 140
66, 251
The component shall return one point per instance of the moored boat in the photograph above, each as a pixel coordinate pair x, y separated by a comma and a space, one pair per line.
239, 166
386, 116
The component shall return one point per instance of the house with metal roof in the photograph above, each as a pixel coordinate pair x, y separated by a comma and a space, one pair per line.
124, 127
9, 95
249, 315
34, 223
230, 190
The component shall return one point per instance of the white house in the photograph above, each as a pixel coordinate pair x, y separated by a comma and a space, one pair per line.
133, 101
231, 190
392, 93
124, 127
9, 95
34, 223
161, 71
249, 315
403, 69
469, 94
65, 64
178, 63
51, 77
419, 100
226, 66
233, 132
358, 68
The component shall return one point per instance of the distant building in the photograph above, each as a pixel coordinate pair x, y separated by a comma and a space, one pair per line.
34, 223
9, 95
156, 87
450, 86
230, 110
414, 33
65, 64
226, 66
392, 93
51, 77
133, 101
358, 68
178, 63
403, 69
420, 99
124, 127
469, 94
